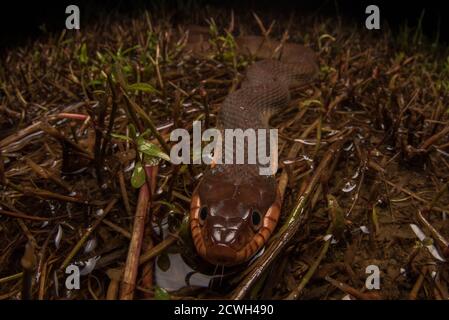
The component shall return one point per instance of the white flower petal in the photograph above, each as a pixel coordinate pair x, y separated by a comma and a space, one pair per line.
90, 245
421, 236
364, 229
434, 252
89, 265
58, 236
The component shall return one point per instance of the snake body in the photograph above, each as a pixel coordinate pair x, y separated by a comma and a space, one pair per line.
234, 209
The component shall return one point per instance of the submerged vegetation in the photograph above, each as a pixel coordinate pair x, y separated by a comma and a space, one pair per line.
84, 127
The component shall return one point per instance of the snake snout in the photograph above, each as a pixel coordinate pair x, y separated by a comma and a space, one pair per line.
223, 236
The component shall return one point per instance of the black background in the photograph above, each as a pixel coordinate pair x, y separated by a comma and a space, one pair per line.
283, 310
22, 20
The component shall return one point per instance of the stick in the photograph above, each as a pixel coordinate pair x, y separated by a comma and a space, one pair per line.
28, 263
352, 291
135, 246
294, 295
86, 235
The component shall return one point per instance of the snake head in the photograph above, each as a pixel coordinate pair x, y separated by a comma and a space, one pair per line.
231, 219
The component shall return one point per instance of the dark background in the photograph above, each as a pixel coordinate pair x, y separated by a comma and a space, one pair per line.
23, 20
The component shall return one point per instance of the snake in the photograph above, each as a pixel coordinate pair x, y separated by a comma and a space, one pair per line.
234, 209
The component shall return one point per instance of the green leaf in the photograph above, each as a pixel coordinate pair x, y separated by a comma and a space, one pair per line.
145, 133
140, 140
125, 52
141, 86
184, 229
161, 293
100, 57
170, 206
83, 54
95, 83
132, 131
151, 150
138, 176
121, 137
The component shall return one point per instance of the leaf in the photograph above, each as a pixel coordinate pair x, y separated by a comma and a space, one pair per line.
337, 216
100, 57
138, 176
184, 229
152, 150
161, 293
426, 241
132, 131
145, 133
310, 102
121, 137
125, 52
83, 54
141, 86
95, 83
89, 265
58, 237
163, 262
169, 205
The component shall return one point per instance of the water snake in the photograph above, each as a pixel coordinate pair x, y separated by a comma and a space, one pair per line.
234, 209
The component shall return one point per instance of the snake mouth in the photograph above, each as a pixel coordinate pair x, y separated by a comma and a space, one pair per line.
222, 254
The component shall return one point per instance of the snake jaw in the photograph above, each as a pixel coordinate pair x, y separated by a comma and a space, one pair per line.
195, 226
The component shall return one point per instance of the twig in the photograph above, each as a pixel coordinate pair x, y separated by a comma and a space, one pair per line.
72, 116
132, 261
157, 249
28, 263
431, 140
115, 275
413, 195
11, 277
418, 284
133, 105
297, 291
117, 228
23, 215
440, 240
124, 193
45, 194
86, 235
352, 291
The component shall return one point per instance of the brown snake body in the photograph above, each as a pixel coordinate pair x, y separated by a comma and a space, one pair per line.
234, 209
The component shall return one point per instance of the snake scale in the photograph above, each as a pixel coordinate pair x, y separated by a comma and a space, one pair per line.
234, 209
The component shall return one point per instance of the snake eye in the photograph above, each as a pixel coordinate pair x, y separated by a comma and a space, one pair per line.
256, 218
203, 214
